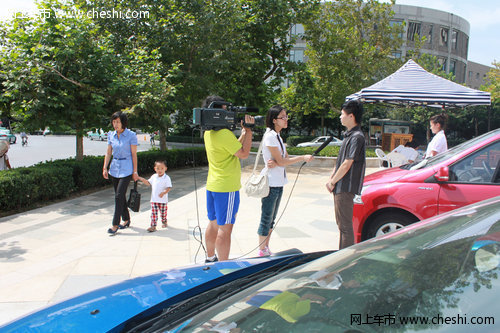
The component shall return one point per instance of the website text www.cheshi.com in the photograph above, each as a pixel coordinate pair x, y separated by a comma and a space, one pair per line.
392, 319
46, 13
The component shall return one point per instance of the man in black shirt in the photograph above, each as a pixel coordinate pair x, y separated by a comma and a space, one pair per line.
347, 176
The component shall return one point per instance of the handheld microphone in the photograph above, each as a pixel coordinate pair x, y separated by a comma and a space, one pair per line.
320, 148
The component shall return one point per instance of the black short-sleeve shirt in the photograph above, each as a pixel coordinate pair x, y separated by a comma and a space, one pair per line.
353, 148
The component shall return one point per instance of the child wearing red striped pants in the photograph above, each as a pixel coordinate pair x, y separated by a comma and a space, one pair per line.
160, 186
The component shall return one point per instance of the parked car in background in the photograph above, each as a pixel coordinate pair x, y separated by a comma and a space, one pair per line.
319, 141
393, 198
440, 275
6, 134
98, 136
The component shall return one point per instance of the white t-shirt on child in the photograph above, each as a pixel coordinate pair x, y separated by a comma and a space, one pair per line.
158, 185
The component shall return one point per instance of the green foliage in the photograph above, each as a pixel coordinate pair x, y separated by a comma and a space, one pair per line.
349, 44
22, 188
58, 71
330, 151
294, 140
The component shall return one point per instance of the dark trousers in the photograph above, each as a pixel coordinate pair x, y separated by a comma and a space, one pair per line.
344, 206
121, 209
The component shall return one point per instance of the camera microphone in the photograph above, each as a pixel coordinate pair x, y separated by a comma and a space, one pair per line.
320, 148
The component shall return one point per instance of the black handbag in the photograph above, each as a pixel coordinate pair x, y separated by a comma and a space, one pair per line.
134, 199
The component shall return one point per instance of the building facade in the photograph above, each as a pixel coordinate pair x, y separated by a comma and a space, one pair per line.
446, 34
446, 37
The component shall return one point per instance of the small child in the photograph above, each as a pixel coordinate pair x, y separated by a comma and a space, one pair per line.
160, 185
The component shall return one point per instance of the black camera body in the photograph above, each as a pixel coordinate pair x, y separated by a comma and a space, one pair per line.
215, 117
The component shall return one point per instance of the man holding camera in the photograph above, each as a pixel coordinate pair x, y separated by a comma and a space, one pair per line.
223, 182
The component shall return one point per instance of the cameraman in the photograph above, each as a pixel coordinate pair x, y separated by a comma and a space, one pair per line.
223, 182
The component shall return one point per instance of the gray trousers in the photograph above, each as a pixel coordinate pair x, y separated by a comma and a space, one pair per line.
344, 206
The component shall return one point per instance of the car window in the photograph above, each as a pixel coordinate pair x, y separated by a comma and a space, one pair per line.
429, 162
478, 167
321, 140
449, 266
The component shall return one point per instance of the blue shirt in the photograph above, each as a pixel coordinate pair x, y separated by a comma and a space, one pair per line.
121, 163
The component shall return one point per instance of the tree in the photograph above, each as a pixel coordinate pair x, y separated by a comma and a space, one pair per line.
59, 70
154, 94
348, 47
492, 85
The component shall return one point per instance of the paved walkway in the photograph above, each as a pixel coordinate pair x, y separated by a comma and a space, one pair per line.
62, 250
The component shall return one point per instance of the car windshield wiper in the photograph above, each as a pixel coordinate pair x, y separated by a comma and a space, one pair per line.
177, 313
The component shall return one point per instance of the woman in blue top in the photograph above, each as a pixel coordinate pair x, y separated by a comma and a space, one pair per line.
122, 144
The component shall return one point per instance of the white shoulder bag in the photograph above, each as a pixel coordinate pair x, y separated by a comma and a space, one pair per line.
257, 185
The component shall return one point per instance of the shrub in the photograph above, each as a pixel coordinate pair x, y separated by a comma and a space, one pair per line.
295, 139
20, 188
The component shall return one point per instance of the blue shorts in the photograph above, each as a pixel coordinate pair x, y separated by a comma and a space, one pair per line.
223, 206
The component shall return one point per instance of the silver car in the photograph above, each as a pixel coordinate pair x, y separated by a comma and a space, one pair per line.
319, 141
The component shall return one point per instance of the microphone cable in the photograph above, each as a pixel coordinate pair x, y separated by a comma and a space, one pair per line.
198, 227
320, 148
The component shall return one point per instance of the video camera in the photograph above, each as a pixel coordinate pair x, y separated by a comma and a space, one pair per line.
215, 117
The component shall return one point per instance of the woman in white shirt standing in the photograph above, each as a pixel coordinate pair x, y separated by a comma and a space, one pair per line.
275, 158
438, 143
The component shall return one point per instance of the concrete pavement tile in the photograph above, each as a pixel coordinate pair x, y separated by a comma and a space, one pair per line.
155, 263
12, 310
76, 285
35, 289
110, 265
290, 232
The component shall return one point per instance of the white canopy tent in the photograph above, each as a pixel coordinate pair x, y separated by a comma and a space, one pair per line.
413, 85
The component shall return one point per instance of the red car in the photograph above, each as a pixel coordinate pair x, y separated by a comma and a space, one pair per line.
394, 198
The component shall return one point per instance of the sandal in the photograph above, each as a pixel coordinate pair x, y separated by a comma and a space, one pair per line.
164, 225
151, 229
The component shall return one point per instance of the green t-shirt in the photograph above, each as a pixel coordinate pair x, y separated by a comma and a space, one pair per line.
224, 169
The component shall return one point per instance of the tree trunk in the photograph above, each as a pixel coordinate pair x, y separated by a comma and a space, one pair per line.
79, 147
323, 129
163, 140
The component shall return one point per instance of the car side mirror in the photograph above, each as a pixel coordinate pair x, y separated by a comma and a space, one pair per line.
443, 175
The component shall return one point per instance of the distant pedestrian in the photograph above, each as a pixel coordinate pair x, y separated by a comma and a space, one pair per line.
4, 158
160, 186
122, 145
347, 177
152, 139
438, 143
378, 136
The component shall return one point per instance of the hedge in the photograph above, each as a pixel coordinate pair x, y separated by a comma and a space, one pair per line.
23, 187
294, 140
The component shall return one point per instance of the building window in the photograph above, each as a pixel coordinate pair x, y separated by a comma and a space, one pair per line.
470, 74
443, 40
297, 30
297, 55
396, 23
413, 29
442, 63
454, 43
429, 35
453, 64
396, 54
477, 76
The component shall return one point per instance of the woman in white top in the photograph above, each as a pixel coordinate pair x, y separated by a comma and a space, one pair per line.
438, 143
275, 158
